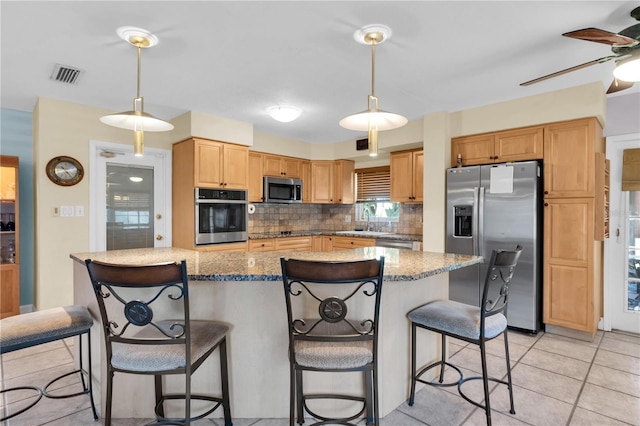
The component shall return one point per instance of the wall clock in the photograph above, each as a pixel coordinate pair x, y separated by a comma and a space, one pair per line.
65, 171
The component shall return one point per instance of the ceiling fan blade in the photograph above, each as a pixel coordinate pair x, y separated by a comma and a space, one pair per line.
618, 85
568, 70
600, 36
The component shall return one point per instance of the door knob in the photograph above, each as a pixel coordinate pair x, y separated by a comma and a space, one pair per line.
158, 237
158, 216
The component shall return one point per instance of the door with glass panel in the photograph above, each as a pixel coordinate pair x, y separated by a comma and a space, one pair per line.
622, 248
130, 198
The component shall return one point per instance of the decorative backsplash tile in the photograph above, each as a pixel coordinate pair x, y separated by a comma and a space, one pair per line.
275, 218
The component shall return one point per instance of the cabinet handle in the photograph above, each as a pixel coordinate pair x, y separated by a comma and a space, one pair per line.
546, 192
546, 204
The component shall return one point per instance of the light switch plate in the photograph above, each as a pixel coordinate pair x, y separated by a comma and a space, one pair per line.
66, 211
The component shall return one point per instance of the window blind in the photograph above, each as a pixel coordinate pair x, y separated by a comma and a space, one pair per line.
631, 170
373, 184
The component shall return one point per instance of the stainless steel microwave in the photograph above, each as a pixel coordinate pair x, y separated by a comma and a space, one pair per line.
281, 190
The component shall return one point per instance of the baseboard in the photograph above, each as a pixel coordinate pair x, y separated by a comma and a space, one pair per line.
25, 309
566, 332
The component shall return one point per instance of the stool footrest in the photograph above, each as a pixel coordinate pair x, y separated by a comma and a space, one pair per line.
84, 391
17, 388
170, 421
333, 420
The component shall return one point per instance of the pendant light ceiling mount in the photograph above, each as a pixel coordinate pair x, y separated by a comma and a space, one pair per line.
136, 119
373, 119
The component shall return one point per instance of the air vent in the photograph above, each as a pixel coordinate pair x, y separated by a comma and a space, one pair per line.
65, 74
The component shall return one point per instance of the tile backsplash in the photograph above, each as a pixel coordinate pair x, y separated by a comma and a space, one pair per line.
275, 218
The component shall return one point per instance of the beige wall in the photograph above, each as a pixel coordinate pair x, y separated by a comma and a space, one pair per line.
62, 128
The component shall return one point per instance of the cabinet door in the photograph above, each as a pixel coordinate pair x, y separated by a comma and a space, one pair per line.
478, 149
235, 166
345, 182
569, 288
255, 177
271, 164
401, 176
9, 290
322, 182
317, 243
519, 145
291, 167
418, 176
208, 164
306, 181
569, 159
263, 244
327, 243
294, 244
346, 243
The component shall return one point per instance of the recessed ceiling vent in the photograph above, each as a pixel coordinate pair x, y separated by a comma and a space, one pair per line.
65, 74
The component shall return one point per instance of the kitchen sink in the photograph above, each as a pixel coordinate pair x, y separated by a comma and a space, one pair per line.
364, 233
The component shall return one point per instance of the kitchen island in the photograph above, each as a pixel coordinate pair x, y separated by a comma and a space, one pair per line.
245, 291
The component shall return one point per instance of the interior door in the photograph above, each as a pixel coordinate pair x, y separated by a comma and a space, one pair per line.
130, 206
622, 248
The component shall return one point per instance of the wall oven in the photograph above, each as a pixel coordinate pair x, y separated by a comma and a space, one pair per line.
221, 216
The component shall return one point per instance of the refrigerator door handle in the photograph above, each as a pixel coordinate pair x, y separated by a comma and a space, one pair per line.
474, 224
480, 221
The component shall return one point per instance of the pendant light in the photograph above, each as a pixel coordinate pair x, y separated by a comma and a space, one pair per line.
137, 120
373, 119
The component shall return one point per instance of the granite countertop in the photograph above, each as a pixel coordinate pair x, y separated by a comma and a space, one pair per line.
348, 233
400, 264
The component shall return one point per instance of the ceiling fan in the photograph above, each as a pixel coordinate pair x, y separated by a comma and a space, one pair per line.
626, 48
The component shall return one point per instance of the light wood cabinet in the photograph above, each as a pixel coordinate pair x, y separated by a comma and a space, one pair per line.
305, 167
572, 285
327, 243
346, 243
333, 182
294, 243
207, 164
316, 243
569, 158
214, 164
262, 244
277, 165
9, 238
574, 223
499, 147
256, 173
225, 247
407, 171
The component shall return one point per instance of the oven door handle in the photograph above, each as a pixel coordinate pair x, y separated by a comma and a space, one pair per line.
221, 202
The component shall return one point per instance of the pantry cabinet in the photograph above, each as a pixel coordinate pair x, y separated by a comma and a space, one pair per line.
407, 171
498, 147
9, 237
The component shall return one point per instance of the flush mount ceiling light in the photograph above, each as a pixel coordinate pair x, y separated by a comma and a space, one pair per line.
628, 69
137, 120
373, 119
284, 113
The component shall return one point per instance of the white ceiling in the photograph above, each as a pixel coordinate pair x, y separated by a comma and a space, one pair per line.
235, 59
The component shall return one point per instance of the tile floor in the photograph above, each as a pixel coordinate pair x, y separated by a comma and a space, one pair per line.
557, 381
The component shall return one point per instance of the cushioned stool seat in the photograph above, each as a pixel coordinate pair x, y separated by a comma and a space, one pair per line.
35, 328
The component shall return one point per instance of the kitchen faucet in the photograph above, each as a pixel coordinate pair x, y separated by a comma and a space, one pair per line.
367, 216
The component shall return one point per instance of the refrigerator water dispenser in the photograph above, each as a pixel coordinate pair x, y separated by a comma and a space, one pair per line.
463, 216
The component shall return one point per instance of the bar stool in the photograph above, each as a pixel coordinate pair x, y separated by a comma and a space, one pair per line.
142, 337
36, 328
332, 316
472, 324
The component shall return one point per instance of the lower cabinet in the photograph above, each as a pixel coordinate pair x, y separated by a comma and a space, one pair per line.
572, 259
227, 247
346, 243
294, 243
316, 243
263, 244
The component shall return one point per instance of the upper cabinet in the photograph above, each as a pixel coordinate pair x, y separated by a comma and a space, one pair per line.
305, 168
498, 147
333, 182
255, 177
213, 164
407, 176
569, 158
276, 165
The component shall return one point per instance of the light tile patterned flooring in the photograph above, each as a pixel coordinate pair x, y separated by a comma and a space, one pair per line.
557, 381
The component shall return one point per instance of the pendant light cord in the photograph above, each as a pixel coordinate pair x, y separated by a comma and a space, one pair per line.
139, 66
373, 67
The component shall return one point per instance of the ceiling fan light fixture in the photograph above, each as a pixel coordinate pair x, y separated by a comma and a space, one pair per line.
628, 69
373, 119
284, 113
136, 119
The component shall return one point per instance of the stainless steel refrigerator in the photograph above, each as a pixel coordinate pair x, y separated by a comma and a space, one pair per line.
498, 206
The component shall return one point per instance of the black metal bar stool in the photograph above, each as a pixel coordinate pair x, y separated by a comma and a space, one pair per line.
148, 330
36, 328
333, 310
472, 324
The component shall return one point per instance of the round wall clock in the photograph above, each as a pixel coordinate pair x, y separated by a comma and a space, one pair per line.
65, 171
